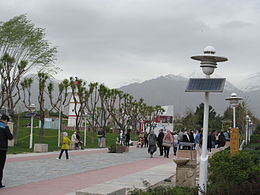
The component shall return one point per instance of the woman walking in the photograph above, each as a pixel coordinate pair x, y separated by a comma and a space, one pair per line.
65, 145
152, 143
167, 143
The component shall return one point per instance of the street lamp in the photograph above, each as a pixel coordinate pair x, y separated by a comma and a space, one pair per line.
247, 126
250, 130
60, 122
208, 64
234, 103
32, 108
85, 130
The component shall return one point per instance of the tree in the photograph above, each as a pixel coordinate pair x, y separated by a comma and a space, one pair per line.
62, 99
92, 99
214, 119
22, 48
104, 96
21, 40
79, 93
42, 77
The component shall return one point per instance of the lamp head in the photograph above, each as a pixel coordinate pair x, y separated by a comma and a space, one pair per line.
208, 60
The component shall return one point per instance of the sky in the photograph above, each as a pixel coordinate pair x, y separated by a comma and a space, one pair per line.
117, 42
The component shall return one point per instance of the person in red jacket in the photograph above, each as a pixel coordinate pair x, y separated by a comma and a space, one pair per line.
167, 143
5, 135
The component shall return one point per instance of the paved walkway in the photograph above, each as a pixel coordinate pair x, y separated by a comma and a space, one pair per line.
42, 173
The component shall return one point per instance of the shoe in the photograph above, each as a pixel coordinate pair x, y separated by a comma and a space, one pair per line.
2, 186
58, 158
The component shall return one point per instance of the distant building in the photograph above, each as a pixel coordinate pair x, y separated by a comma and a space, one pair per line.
72, 112
165, 120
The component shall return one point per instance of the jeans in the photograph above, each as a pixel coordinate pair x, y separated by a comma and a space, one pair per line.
100, 142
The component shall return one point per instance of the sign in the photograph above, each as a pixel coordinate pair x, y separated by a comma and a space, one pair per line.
234, 140
163, 119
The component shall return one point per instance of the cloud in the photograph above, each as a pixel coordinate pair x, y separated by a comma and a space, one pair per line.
115, 41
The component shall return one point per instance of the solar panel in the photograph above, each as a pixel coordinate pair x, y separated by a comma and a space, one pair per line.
205, 85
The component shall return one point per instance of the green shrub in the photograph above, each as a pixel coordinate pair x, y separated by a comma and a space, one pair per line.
228, 172
112, 148
162, 190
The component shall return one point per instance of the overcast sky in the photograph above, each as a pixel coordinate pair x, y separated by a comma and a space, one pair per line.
117, 42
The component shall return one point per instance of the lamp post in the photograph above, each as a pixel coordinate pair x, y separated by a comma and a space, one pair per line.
60, 122
234, 103
250, 126
32, 108
85, 130
247, 126
208, 64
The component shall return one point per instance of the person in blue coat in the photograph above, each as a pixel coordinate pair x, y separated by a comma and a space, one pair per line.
5, 135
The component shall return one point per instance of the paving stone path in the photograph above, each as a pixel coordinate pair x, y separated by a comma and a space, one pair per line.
40, 174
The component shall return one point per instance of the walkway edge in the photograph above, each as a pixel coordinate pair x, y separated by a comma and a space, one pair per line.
139, 180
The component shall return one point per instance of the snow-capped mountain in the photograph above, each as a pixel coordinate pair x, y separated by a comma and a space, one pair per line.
170, 90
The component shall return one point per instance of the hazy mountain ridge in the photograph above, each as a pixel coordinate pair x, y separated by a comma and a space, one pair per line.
170, 90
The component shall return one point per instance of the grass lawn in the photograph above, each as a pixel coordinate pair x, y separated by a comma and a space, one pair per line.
51, 138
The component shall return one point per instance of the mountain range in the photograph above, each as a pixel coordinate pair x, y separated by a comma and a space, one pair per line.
170, 90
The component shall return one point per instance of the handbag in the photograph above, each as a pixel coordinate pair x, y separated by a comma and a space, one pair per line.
167, 143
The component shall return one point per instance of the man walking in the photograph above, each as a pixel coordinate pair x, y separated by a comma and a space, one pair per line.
5, 134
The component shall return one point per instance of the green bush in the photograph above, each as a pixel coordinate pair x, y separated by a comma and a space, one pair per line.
112, 148
233, 173
161, 190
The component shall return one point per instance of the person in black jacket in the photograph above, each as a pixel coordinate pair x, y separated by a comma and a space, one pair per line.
5, 134
160, 140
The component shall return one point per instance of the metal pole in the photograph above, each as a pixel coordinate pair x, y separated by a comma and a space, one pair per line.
246, 129
249, 132
85, 132
59, 128
234, 117
31, 134
204, 152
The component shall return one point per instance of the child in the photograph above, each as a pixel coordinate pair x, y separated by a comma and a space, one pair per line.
65, 145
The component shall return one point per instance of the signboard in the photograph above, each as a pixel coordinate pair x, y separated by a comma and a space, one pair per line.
163, 119
234, 140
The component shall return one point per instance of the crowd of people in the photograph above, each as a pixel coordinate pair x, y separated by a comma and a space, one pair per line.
182, 140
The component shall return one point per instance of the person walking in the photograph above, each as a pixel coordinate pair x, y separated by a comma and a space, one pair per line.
79, 142
145, 139
74, 141
175, 143
5, 135
121, 137
101, 136
127, 137
65, 145
222, 140
167, 143
160, 141
151, 143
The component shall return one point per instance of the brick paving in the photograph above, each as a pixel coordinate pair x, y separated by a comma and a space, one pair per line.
43, 174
